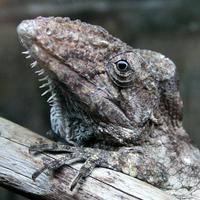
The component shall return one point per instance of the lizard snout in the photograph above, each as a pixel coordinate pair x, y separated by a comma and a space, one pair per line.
26, 31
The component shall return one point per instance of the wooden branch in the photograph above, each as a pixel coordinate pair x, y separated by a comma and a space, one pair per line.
17, 166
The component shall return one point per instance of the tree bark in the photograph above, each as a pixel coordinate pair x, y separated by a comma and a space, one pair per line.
17, 167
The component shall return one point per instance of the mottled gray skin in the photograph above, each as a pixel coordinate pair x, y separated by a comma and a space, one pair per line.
125, 117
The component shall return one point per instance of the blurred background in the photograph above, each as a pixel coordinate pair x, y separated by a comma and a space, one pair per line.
171, 27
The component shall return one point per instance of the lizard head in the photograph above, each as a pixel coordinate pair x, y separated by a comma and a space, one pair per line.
99, 85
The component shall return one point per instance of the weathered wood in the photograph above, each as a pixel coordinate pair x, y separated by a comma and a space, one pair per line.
17, 166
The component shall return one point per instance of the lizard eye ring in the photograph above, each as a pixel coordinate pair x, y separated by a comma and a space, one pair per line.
120, 73
122, 68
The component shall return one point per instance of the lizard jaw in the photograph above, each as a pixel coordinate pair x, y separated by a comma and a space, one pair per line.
26, 31
60, 113
60, 116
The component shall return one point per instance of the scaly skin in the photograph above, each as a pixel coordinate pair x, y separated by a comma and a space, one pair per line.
114, 106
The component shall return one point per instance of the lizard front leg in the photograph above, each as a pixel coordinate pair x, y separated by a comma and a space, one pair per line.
90, 157
131, 161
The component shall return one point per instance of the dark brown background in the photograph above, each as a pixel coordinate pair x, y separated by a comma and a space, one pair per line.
171, 27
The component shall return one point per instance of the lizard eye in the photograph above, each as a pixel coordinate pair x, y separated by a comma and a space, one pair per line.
122, 66
121, 73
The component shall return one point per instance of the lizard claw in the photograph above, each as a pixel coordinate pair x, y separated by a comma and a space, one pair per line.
77, 154
85, 170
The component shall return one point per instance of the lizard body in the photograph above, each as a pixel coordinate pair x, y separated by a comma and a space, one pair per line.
114, 106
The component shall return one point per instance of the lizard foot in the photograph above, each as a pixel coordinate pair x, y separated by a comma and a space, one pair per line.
74, 155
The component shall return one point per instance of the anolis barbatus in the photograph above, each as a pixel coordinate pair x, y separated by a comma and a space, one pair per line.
114, 106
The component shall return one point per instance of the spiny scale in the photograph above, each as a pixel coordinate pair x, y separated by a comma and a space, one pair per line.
48, 83
44, 85
49, 90
43, 79
40, 72
51, 100
25, 52
33, 64
29, 56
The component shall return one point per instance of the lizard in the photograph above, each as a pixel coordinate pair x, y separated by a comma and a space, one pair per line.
112, 105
